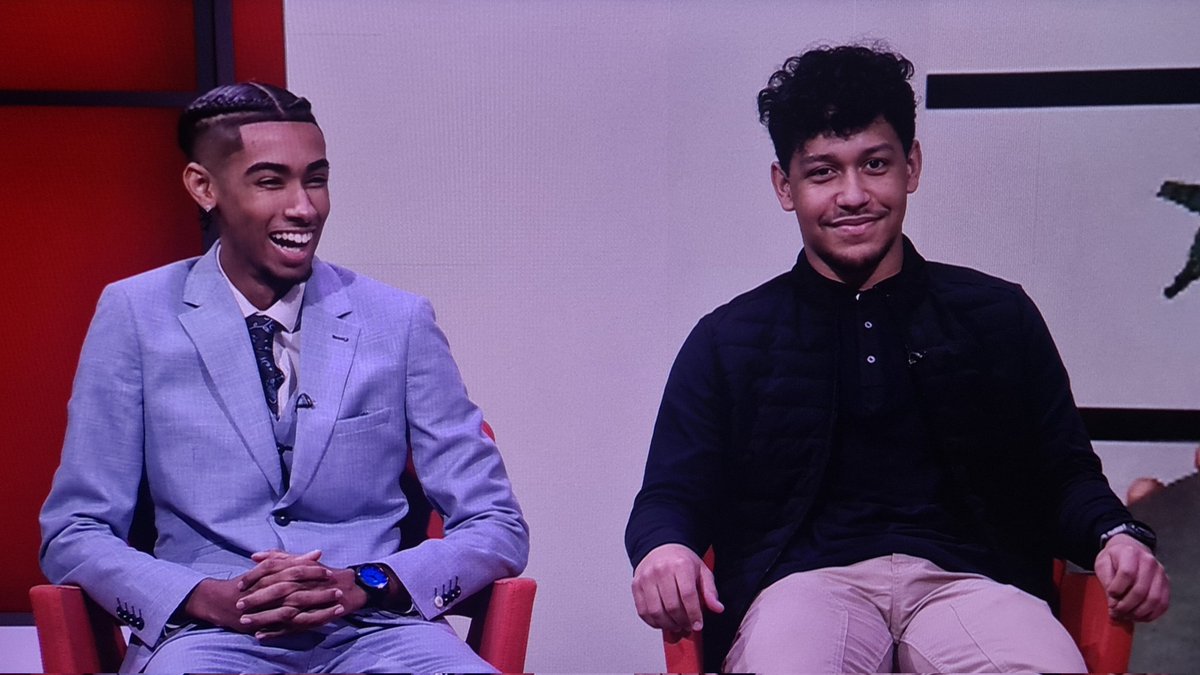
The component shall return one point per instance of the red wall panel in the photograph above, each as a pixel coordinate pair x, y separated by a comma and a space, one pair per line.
91, 195
94, 205
259, 41
116, 45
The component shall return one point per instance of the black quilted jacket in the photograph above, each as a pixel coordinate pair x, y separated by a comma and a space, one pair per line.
743, 434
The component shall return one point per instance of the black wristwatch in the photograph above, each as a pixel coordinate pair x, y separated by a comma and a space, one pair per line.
374, 579
1136, 529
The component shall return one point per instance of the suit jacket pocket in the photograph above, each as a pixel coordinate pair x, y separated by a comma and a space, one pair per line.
362, 422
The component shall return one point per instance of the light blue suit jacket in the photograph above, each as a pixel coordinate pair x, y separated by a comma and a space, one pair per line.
167, 388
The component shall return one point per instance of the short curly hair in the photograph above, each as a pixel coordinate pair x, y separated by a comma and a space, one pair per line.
839, 90
227, 107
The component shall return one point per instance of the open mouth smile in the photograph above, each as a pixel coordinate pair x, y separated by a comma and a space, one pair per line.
291, 241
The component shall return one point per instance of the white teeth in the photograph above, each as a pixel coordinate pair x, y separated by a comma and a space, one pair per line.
297, 239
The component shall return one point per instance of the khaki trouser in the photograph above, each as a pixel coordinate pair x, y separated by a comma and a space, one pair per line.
899, 613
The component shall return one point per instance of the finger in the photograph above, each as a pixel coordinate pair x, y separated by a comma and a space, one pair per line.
648, 600
639, 598
266, 565
309, 600
649, 604
301, 622
1161, 595
318, 616
276, 570
1104, 569
309, 573
661, 580
268, 619
1145, 570
286, 617
314, 580
1129, 603
260, 556
277, 594
265, 598
689, 596
1124, 570
708, 590
276, 554
1158, 599
673, 605
282, 558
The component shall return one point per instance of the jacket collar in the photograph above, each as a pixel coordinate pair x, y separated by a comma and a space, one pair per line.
906, 285
214, 323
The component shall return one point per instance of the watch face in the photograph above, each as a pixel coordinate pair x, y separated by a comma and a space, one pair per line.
373, 576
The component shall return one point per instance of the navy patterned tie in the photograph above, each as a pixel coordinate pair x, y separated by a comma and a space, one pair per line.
262, 338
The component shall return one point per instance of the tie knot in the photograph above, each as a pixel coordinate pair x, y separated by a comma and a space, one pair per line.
261, 324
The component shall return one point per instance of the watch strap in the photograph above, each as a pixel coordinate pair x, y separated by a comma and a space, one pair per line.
1135, 529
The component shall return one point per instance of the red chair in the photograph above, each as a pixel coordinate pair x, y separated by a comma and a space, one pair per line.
77, 636
1104, 642
1083, 609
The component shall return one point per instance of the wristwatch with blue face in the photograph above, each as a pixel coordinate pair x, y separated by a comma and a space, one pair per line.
1138, 530
374, 579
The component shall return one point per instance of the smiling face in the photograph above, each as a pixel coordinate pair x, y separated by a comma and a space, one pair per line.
271, 198
849, 195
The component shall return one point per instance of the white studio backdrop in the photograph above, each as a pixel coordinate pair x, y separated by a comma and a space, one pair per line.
574, 184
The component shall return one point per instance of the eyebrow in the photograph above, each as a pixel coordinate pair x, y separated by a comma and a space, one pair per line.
830, 157
282, 168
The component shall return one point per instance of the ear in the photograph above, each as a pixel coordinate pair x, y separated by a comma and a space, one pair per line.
199, 183
914, 166
783, 187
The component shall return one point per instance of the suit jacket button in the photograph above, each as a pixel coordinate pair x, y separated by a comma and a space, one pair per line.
139, 623
439, 601
282, 518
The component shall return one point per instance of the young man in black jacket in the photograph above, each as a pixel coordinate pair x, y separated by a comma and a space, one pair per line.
883, 452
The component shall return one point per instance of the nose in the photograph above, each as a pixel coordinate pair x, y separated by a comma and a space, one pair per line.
853, 194
302, 207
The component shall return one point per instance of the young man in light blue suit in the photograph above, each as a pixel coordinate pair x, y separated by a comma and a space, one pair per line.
267, 401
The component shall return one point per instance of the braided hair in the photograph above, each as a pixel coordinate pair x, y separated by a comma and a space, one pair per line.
222, 110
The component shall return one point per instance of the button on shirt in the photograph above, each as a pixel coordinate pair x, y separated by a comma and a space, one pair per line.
885, 489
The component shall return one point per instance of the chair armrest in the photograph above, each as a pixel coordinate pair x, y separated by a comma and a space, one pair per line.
1104, 642
500, 619
75, 635
686, 655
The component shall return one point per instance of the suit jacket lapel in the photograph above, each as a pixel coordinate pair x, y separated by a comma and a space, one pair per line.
216, 327
327, 345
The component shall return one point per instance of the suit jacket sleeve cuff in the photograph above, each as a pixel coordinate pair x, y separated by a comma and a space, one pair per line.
431, 596
147, 608
170, 600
